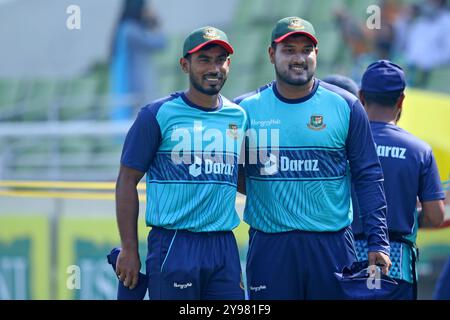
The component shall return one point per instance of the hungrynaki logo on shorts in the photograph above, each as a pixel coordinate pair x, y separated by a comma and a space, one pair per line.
182, 286
316, 123
258, 288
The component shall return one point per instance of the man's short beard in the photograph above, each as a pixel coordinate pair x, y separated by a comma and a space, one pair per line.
292, 82
211, 91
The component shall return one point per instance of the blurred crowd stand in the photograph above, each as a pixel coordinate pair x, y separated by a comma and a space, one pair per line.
411, 34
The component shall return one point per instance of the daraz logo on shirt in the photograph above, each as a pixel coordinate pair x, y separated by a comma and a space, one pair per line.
272, 166
391, 152
208, 166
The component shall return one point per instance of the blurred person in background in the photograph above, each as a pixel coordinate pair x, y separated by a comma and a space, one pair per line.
191, 193
427, 41
343, 82
298, 201
410, 172
136, 37
406, 17
367, 44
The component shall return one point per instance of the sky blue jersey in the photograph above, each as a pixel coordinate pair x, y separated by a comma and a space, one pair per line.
190, 155
301, 157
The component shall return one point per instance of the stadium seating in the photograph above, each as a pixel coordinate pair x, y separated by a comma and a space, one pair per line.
9, 95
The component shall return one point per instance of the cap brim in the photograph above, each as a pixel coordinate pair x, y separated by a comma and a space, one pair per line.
221, 43
310, 36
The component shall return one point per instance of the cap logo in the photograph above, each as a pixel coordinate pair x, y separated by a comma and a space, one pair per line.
296, 24
210, 34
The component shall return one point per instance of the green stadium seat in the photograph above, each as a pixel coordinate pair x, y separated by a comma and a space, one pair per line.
285, 8
30, 155
75, 145
251, 12
77, 98
328, 46
247, 47
320, 13
167, 62
172, 53
241, 13
358, 8
40, 101
9, 96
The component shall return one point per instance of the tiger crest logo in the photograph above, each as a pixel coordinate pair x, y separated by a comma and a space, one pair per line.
233, 131
316, 123
296, 24
210, 34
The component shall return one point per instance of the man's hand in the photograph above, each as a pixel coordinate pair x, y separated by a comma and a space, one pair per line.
127, 268
380, 259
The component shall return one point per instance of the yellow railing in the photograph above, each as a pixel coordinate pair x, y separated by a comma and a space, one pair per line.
61, 189
85, 190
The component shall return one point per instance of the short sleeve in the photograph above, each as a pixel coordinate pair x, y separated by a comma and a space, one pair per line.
142, 141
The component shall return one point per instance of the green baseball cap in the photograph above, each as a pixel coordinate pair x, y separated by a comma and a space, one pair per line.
293, 25
199, 38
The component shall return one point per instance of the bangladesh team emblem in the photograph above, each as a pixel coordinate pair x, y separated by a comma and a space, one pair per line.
210, 34
316, 123
233, 131
296, 24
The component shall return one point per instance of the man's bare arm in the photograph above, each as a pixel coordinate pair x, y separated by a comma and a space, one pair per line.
127, 212
432, 214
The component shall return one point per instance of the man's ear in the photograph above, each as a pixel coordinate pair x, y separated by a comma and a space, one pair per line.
361, 97
400, 101
184, 63
272, 54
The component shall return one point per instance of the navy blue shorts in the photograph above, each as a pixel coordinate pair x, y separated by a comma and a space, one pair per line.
297, 265
183, 265
403, 291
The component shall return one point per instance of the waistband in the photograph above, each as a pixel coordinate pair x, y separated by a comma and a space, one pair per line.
191, 233
393, 237
303, 231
